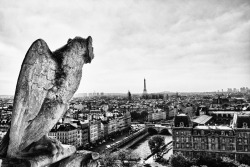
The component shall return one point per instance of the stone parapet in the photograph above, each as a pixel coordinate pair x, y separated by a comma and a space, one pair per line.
81, 158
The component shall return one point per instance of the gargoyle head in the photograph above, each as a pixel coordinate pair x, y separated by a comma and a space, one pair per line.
82, 46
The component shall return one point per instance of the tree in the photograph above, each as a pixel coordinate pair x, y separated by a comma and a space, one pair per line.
243, 165
108, 160
144, 115
220, 161
245, 160
135, 115
127, 155
155, 143
123, 156
178, 160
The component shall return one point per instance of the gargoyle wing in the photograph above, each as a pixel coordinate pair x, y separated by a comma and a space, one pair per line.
35, 79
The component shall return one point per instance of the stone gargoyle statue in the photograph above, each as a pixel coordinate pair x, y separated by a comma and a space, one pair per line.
46, 83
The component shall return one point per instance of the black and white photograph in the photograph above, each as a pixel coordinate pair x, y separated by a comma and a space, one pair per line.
125, 83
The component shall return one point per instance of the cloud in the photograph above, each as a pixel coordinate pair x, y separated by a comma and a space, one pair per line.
202, 44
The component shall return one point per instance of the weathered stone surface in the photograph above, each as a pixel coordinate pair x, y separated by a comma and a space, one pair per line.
46, 83
45, 160
80, 159
12, 162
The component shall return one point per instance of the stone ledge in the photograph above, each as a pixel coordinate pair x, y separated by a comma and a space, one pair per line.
44, 160
81, 158
40, 160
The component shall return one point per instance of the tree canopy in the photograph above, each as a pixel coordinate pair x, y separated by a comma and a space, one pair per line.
122, 157
178, 159
155, 143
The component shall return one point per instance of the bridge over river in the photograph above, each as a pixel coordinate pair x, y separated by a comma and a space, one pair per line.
129, 141
159, 128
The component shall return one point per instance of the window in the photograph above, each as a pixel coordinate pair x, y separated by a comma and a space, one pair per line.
223, 147
231, 147
213, 146
184, 139
222, 133
202, 132
239, 140
240, 147
195, 132
245, 148
223, 140
245, 125
195, 146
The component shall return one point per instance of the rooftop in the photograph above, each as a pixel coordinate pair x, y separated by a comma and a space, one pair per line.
203, 119
207, 127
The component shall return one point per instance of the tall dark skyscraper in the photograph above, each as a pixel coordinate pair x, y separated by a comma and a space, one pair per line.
145, 89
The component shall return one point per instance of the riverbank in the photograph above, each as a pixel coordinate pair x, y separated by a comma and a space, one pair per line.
142, 149
101, 147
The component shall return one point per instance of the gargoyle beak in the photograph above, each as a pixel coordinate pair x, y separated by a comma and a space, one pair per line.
90, 51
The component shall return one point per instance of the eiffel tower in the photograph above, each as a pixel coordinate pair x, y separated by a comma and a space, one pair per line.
144, 90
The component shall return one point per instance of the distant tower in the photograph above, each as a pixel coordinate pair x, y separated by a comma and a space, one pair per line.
129, 96
165, 97
144, 90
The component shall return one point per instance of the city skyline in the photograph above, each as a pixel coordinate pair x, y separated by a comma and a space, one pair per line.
174, 47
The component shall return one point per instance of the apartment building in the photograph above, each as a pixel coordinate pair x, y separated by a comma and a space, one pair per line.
213, 140
93, 130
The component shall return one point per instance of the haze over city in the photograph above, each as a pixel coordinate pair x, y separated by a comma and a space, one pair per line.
176, 45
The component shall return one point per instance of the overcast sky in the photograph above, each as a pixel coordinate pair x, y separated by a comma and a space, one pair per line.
185, 45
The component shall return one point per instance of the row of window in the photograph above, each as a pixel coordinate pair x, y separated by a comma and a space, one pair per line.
212, 132
222, 133
183, 145
243, 135
245, 148
183, 139
212, 140
185, 133
242, 141
197, 154
200, 146
67, 141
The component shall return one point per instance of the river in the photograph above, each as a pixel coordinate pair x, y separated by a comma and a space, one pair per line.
142, 149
